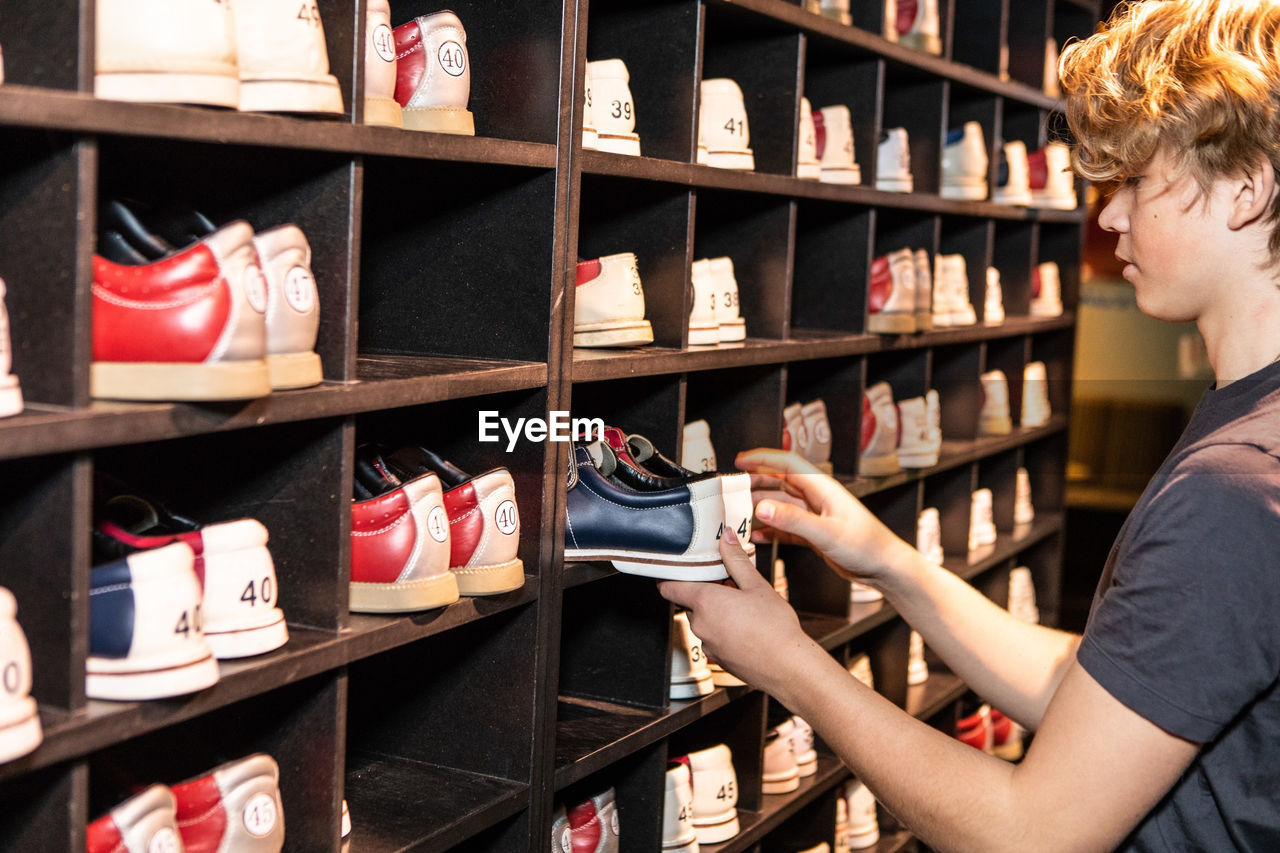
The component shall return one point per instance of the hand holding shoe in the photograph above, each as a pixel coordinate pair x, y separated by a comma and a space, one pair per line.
744, 626
798, 504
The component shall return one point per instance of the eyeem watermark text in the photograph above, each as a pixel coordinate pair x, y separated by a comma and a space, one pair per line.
560, 427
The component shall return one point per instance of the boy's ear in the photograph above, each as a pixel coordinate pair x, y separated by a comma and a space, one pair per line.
1255, 191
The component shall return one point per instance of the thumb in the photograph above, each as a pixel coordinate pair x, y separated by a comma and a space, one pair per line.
798, 521
736, 562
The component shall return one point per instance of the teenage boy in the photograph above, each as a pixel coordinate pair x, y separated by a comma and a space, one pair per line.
1159, 729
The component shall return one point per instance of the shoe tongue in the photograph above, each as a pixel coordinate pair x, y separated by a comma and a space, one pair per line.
132, 514
642, 449
373, 476
125, 233
603, 457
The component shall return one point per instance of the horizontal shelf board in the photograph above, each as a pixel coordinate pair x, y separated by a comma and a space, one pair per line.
385, 382
309, 652
596, 365
370, 634
399, 805
942, 688
831, 631
778, 807
866, 44
692, 175
895, 842
591, 734
955, 454
54, 109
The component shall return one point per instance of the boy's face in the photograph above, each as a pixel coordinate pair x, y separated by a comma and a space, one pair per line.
1175, 245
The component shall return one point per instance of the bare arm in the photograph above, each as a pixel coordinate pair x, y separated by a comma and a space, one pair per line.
1014, 665
1093, 771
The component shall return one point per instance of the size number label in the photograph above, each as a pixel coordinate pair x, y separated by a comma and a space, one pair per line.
620, 109
507, 518
453, 59
300, 289
12, 677
190, 622
736, 127
260, 815
256, 591
438, 524
255, 288
728, 792
310, 13
384, 43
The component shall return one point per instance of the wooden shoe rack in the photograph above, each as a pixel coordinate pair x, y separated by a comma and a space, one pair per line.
445, 267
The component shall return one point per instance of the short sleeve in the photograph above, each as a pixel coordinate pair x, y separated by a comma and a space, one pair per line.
1188, 633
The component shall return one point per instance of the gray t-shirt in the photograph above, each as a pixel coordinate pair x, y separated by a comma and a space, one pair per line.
1185, 625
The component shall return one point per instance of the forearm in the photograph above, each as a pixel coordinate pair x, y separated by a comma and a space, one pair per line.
952, 796
1014, 665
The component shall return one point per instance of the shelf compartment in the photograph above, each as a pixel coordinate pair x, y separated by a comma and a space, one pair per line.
755, 825
400, 804
386, 382
591, 734
31, 106
309, 652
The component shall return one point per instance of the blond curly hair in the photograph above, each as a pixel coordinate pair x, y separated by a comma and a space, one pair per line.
1199, 77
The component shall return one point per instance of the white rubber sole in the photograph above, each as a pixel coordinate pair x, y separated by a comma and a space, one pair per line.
924, 321
1054, 202
780, 784
927, 42
879, 466
717, 829
228, 380
241, 642
383, 111
618, 143
844, 175
965, 191
110, 679
590, 138
861, 841
809, 172
20, 731
896, 185
10, 396
691, 688
681, 846
290, 95
1044, 311
733, 331
721, 677
704, 336
921, 459
294, 370
864, 594
218, 90
807, 765
455, 120
743, 159
891, 323
490, 580
670, 567
628, 334
1015, 199
403, 597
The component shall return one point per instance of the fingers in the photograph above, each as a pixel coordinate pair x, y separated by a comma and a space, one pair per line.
764, 460
790, 520
738, 564
681, 593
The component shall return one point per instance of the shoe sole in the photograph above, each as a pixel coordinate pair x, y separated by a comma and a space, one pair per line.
809, 172
681, 846
733, 331
864, 595
440, 120
404, 597
22, 734
879, 466
294, 370
843, 175
692, 689
743, 160
228, 380
159, 683
809, 766
924, 321
618, 143
10, 396
1054, 202
219, 90
965, 192
1018, 200
989, 426
929, 43
490, 580
781, 785
290, 95
917, 460
384, 112
714, 831
590, 139
723, 678
891, 324
704, 335
895, 185
649, 565
230, 642
614, 335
